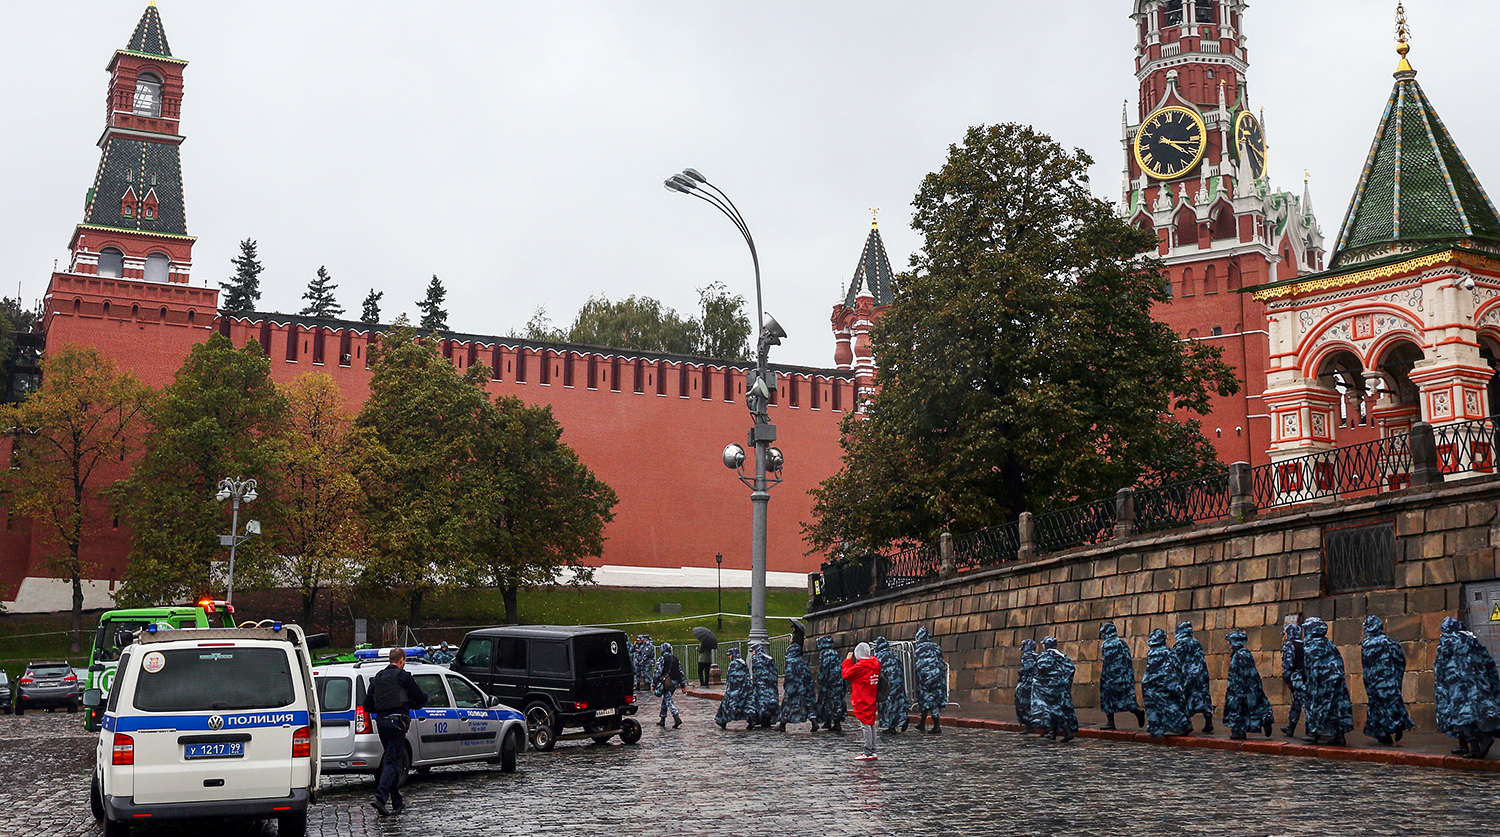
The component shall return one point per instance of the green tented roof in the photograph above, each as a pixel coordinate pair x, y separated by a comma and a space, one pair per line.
1416, 186
149, 36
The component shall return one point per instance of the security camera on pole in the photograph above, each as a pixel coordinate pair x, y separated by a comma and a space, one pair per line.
238, 490
760, 383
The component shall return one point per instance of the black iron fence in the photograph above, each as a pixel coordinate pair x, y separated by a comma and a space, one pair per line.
1427, 454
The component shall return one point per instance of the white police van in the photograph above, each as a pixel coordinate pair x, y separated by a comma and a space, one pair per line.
209, 722
459, 724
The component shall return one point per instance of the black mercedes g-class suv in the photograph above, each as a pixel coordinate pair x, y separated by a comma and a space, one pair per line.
566, 678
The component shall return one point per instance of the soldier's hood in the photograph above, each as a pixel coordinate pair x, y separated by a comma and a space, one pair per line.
1157, 637
794, 651
734, 653
881, 644
922, 635
1315, 627
862, 651
1049, 642
666, 648
1373, 625
1452, 625
1108, 630
1236, 639
1028, 645
825, 642
1292, 630
1184, 630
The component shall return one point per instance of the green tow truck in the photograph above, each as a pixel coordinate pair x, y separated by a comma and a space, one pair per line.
117, 629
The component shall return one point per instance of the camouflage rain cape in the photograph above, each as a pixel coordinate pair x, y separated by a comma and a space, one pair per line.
1161, 689
833, 690
1116, 673
932, 675
1384, 667
1329, 710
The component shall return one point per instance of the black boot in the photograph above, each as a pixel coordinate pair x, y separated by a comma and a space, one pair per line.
1140, 718
814, 726
1481, 747
937, 726
1385, 739
1290, 730
1208, 722
1067, 736
1337, 740
781, 727
1267, 728
1313, 738
1397, 736
1052, 732
838, 726
1236, 735
662, 722
676, 720
1463, 747
922, 724
905, 722
1109, 721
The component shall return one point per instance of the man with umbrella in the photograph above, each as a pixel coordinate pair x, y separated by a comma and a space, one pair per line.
707, 643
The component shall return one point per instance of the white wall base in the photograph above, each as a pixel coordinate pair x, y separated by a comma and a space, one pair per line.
49, 595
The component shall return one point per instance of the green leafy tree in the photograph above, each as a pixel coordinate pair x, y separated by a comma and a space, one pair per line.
319, 296
434, 315
371, 312
544, 510
85, 416
634, 323
540, 327
243, 290
1019, 366
415, 457
220, 417
320, 533
724, 327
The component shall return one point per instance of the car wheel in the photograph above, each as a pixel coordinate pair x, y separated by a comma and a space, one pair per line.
423, 771
630, 730
292, 825
509, 746
114, 828
72, 707
96, 799
541, 725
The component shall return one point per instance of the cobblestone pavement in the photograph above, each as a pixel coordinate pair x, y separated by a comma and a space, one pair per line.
701, 780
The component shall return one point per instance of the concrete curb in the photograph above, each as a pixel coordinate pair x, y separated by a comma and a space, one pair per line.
1266, 746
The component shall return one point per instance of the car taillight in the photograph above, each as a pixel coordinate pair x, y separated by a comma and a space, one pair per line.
630, 698
72, 678
124, 749
361, 721
302, 743
27, 681
582, 704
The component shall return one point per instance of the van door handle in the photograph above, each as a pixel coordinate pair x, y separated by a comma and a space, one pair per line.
337, 723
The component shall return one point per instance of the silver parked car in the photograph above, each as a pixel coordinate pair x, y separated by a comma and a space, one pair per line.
48, 685
460, 723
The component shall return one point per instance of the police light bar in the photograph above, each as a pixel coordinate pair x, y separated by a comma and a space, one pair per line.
412, 651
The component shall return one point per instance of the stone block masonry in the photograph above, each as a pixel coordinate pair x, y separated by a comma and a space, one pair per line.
1253, 575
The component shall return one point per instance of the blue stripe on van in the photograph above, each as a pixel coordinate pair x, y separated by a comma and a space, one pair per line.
232, 721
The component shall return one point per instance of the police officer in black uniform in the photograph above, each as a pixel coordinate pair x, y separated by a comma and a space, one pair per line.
392, 694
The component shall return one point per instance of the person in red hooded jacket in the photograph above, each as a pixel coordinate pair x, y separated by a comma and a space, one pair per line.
862, 670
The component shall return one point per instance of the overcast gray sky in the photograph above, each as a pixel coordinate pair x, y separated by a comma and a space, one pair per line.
517, 149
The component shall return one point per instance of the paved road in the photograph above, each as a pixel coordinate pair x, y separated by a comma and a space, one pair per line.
703, 780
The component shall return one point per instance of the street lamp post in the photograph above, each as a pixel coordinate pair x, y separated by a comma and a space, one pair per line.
238, 490
719, 560
757, 398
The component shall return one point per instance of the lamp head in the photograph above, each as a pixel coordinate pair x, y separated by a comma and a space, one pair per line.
671, 186
695, 175
734, 456
222, 495
771, 331
251, 495
252, 527
775, 459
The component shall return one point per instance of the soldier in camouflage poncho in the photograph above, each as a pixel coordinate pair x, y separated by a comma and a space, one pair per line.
765, 702
737, 693
1329, 710
932, 681
1116, 677
1384, 666
1024, 678
1467, 690
1161, 689
1293, 675
894, 706
643, 659
1246, 706
833, 690
1195, 697
1052, 693
797, 691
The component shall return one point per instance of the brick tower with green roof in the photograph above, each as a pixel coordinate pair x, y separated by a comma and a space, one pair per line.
1404, 325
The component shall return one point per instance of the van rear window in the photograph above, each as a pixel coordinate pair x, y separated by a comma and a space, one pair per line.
335, 694
204, 679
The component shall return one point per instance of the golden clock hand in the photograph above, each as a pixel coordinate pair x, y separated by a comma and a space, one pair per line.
1175, 144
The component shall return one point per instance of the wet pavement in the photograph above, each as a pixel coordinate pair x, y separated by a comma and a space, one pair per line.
701, 780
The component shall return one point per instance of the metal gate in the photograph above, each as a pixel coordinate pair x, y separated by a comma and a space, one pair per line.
1482, 612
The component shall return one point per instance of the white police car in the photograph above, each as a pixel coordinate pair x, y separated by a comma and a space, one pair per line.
459, 724
208, 722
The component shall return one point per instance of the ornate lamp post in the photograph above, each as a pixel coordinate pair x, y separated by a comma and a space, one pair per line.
240, 491
758, 391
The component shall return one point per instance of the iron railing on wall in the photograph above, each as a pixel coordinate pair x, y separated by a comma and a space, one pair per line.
1458, 449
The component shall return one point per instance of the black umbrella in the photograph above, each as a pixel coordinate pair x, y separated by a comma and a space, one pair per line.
706, 638
799, 631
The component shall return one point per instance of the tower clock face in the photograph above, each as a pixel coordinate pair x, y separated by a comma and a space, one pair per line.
1251, 141
1170, 142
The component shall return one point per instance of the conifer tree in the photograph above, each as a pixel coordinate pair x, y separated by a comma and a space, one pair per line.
319, 296
243, 291
371, 312
434, 315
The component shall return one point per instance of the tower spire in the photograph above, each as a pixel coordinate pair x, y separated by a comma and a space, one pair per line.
1403, 34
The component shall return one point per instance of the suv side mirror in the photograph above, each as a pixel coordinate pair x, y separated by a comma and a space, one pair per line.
93, 698
491, 700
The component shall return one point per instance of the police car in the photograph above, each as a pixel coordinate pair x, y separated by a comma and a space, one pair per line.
459, 724
208, 722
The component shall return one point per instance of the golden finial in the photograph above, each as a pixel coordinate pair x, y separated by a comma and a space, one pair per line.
1403, 34
874, 217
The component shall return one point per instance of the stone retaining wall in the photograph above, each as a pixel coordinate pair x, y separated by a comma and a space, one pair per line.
1251, 576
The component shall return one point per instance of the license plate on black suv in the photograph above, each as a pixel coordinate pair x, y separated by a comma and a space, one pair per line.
226, 750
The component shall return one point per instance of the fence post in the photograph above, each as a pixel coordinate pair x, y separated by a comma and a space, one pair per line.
877, 574
1027, 525
945, 556
1425, 468
1124, 512
1241, 491
814, 591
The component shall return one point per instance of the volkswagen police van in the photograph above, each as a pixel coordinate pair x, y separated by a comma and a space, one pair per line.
459, 724
208, 722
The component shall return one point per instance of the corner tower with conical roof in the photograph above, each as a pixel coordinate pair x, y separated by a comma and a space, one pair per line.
131, 256
867, 298
1404, 325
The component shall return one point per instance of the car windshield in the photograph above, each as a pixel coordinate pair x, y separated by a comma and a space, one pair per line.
202, 679
603, 653
51, 671
107, 644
